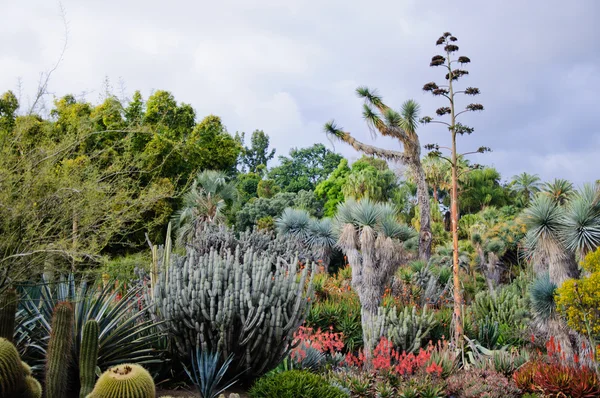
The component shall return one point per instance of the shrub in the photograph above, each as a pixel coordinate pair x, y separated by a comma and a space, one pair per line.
342, 312
295, 384
481, 383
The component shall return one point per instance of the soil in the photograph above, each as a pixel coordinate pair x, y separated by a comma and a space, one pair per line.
192, 394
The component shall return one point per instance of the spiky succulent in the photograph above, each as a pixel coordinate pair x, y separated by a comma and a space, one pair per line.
541, 295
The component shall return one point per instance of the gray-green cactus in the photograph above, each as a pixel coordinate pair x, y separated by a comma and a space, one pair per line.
407, 328
234, 303
8, 309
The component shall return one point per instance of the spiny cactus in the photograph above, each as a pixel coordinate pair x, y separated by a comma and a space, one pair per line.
127, 380
15, 375
407, 329
88, 357
234, 303
8, 310
58, 355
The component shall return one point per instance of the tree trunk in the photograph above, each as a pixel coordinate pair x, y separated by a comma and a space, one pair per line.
425, 211
372, 326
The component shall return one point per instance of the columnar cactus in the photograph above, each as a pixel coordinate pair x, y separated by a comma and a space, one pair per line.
15, 376
58, 355
407, 329
127, 380
8, 309
234, 303
88, 357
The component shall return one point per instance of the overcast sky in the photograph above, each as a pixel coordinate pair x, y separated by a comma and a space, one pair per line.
289, 66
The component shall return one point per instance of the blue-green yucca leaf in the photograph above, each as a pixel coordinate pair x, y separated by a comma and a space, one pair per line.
366, 213
294, 222
581, 220
206, 374
541, 294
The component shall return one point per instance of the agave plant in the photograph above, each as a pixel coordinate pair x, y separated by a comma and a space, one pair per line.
126, 334
206, 374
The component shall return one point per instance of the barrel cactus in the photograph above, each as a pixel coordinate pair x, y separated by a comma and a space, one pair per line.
58, 355
127, 380
8, 310
15, 376
248, 304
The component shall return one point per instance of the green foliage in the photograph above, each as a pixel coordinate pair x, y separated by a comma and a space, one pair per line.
267, 189
8, 310
127, 380
59, 353
343, 315
482, 188
258, 154
305, 168
88, 358
207, 375
408, 329
295, 384
331, 190
370, 178
247, 186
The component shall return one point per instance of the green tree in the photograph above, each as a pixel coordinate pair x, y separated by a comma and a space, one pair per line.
305, 168
258, 153
205, 201
526, 186
267, 189
372, 179
481, 188
8, 111
331, 190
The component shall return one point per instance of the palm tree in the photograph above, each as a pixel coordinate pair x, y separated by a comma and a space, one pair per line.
559, 190
435, 175
402, 126
372, 239
318, 235
205, 201
526, 184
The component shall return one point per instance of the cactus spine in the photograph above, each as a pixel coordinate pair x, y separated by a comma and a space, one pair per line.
127, 380
59, 351
15, 376
88, 357
8, 310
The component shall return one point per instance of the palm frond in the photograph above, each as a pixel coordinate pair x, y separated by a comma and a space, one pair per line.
366, 213
410, 115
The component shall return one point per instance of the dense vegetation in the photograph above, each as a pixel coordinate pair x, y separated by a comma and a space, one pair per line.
154, 245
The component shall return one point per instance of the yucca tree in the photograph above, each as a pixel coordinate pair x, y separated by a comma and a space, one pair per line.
205, 201
526, 185
316, 234
372, 239
448, 90
559, 190
402, 126
559, 231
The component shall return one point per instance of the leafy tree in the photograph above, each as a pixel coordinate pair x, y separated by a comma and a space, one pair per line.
526, 186
482, 188
258, 153
205, 201
134, 113
8, 111
372, 179
247, 186
402, 126
448, 91
267, 189
331, 190
305, 168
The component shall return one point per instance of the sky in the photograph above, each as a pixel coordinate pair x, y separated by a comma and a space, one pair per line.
288, 67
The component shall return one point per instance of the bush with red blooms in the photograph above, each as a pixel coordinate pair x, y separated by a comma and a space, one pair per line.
325, 342
481, 383
386, 359
554, 377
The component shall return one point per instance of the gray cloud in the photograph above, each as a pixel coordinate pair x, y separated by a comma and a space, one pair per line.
288, 67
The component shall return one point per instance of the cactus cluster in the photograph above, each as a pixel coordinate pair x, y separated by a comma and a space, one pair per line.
124, 381
406, 328
247, 304
15, 376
